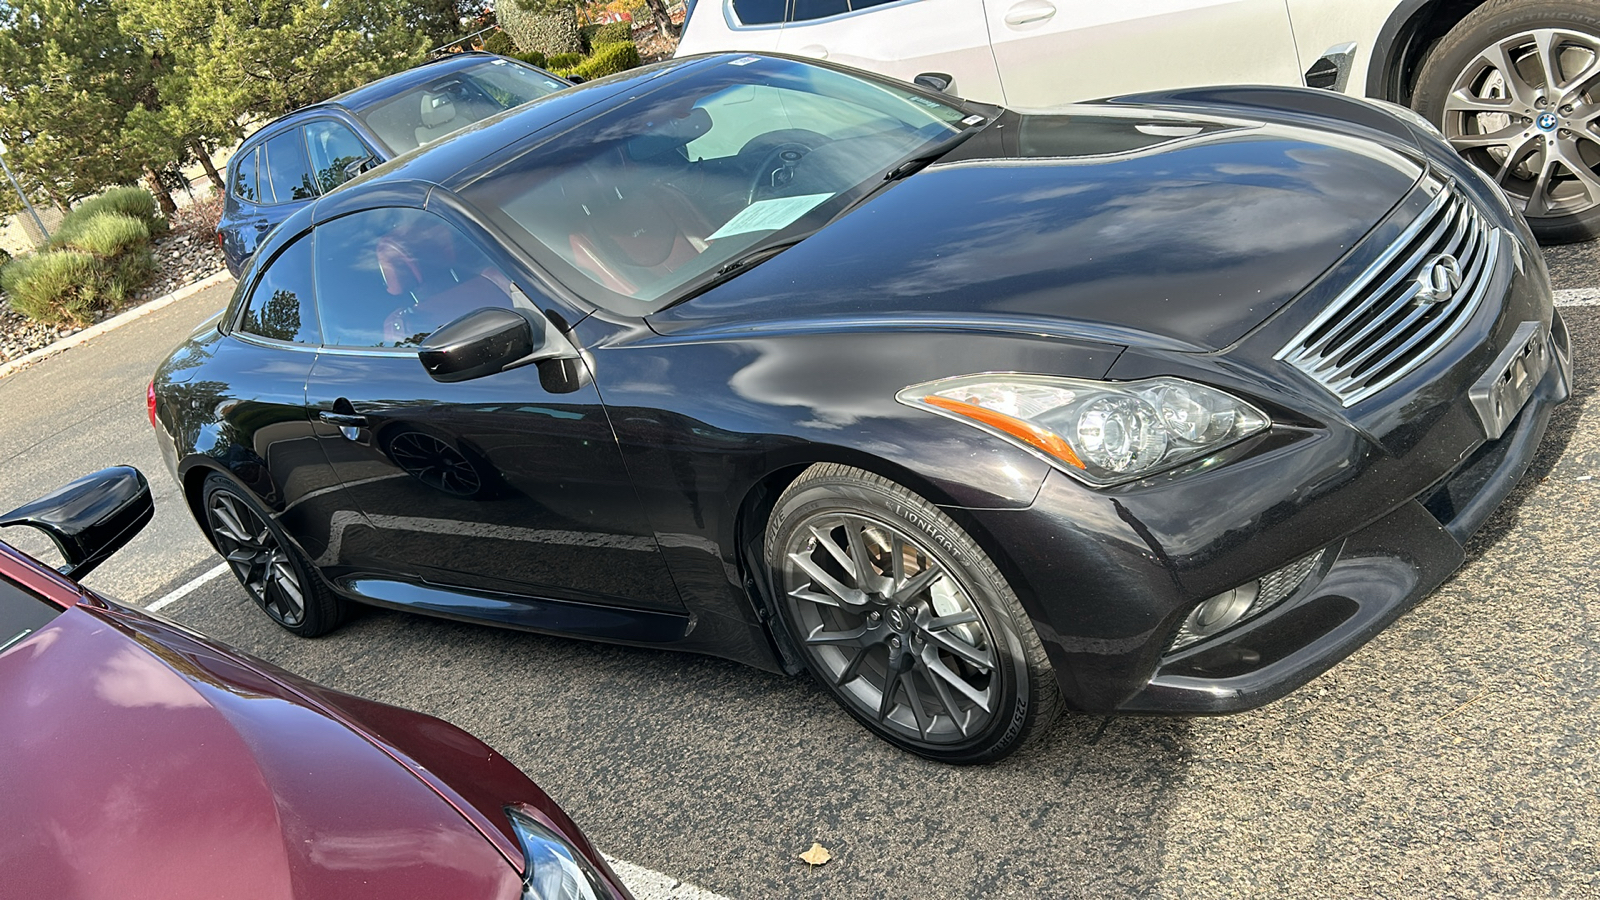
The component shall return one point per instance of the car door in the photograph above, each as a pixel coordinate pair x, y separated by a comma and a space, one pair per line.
255, 381
1059, 51
500, 483
902, 39
244, 218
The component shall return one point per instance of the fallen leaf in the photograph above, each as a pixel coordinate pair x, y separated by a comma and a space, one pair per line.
817, 855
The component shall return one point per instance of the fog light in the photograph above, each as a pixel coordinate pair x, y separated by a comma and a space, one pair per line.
1218, 614
1246, 601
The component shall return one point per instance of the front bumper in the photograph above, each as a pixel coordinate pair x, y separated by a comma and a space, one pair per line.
1390, 533
1374, 576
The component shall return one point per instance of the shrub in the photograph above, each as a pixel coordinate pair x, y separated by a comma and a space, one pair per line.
199, 219
532, 58
127, 274
129, 201
109, 235
499, 42
563, 60
608, 60
555, 32
56, 286
612, 33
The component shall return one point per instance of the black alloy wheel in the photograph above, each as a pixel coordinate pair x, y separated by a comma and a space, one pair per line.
275, 574
905, 620
1515, 88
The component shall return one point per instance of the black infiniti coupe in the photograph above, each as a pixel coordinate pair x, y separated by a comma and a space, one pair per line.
1159, 404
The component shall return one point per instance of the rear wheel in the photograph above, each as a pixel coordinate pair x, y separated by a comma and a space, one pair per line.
276, 575
1515, 88
905, 620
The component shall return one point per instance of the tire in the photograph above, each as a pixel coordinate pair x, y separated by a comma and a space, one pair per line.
275, 574
967, 677
1542, 145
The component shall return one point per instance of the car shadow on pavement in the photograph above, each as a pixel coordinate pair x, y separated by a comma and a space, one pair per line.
721, 775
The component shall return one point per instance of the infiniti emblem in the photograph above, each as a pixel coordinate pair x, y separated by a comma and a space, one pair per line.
1546, 122
1439, 280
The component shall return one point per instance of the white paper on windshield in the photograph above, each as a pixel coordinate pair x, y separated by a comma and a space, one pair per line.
769, 215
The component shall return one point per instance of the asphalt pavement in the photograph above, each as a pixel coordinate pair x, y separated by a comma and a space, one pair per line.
1454, 756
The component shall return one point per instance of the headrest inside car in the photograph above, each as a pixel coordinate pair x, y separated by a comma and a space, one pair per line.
669, 135
437, 110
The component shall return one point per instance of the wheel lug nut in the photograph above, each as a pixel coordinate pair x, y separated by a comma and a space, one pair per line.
874, 617
1540, 102
1566, 110
894, 642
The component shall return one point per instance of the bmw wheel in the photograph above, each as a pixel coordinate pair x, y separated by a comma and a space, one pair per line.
275, 574
1515, 88
905, 620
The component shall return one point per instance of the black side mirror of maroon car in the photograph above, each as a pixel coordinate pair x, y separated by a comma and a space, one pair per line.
489, 340
91, 518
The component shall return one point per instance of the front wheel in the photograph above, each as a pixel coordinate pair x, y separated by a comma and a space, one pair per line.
275, 574
905, 620
1515, 88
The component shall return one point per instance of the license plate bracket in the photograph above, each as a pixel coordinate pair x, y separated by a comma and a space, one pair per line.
1505, 387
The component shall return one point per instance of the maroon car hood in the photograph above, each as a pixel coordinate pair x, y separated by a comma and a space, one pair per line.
163, 769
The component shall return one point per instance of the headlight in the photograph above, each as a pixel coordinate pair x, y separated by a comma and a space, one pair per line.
1100, 432
553, 869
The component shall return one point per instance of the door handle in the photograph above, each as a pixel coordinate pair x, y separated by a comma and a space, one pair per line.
343, 420
815, 51
1030, 11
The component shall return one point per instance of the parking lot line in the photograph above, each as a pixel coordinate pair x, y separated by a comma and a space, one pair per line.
1578, 297
184, 590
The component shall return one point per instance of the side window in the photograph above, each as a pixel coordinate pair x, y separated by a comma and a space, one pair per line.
280, 305
333, 148
244, 179
759, 12
805, 10
391, 277
286, 168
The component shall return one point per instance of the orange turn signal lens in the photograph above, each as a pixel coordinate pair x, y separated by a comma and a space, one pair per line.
1027, 432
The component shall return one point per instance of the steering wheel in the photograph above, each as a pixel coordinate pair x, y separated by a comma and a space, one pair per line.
776, 170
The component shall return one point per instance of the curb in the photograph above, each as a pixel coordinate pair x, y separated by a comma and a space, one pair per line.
115, 322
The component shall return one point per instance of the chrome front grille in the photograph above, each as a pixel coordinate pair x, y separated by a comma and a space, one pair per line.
1395, 315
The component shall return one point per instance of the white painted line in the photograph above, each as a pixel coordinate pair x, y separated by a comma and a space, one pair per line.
115, 322
186, 589
648, 884
1578, 297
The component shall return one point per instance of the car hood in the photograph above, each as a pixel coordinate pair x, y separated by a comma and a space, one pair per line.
140, 764
1137, 225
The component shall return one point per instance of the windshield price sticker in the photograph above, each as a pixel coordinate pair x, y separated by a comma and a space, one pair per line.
745, 60
769, 215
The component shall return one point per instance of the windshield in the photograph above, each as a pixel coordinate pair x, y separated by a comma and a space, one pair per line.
666, 191
455, 100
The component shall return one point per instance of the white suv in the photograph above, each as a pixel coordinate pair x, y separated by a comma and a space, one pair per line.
1513, 84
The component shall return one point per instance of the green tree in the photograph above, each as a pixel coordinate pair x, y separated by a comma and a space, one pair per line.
69, 81
263, 58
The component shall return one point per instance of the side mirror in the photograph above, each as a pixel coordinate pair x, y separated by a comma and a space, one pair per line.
91, 518
357, 166
937, 81
486, 341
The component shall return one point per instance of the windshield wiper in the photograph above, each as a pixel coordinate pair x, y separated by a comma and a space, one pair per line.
922, 160
754, 257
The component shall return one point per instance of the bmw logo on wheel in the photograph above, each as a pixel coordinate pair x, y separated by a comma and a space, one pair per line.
1547, 121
